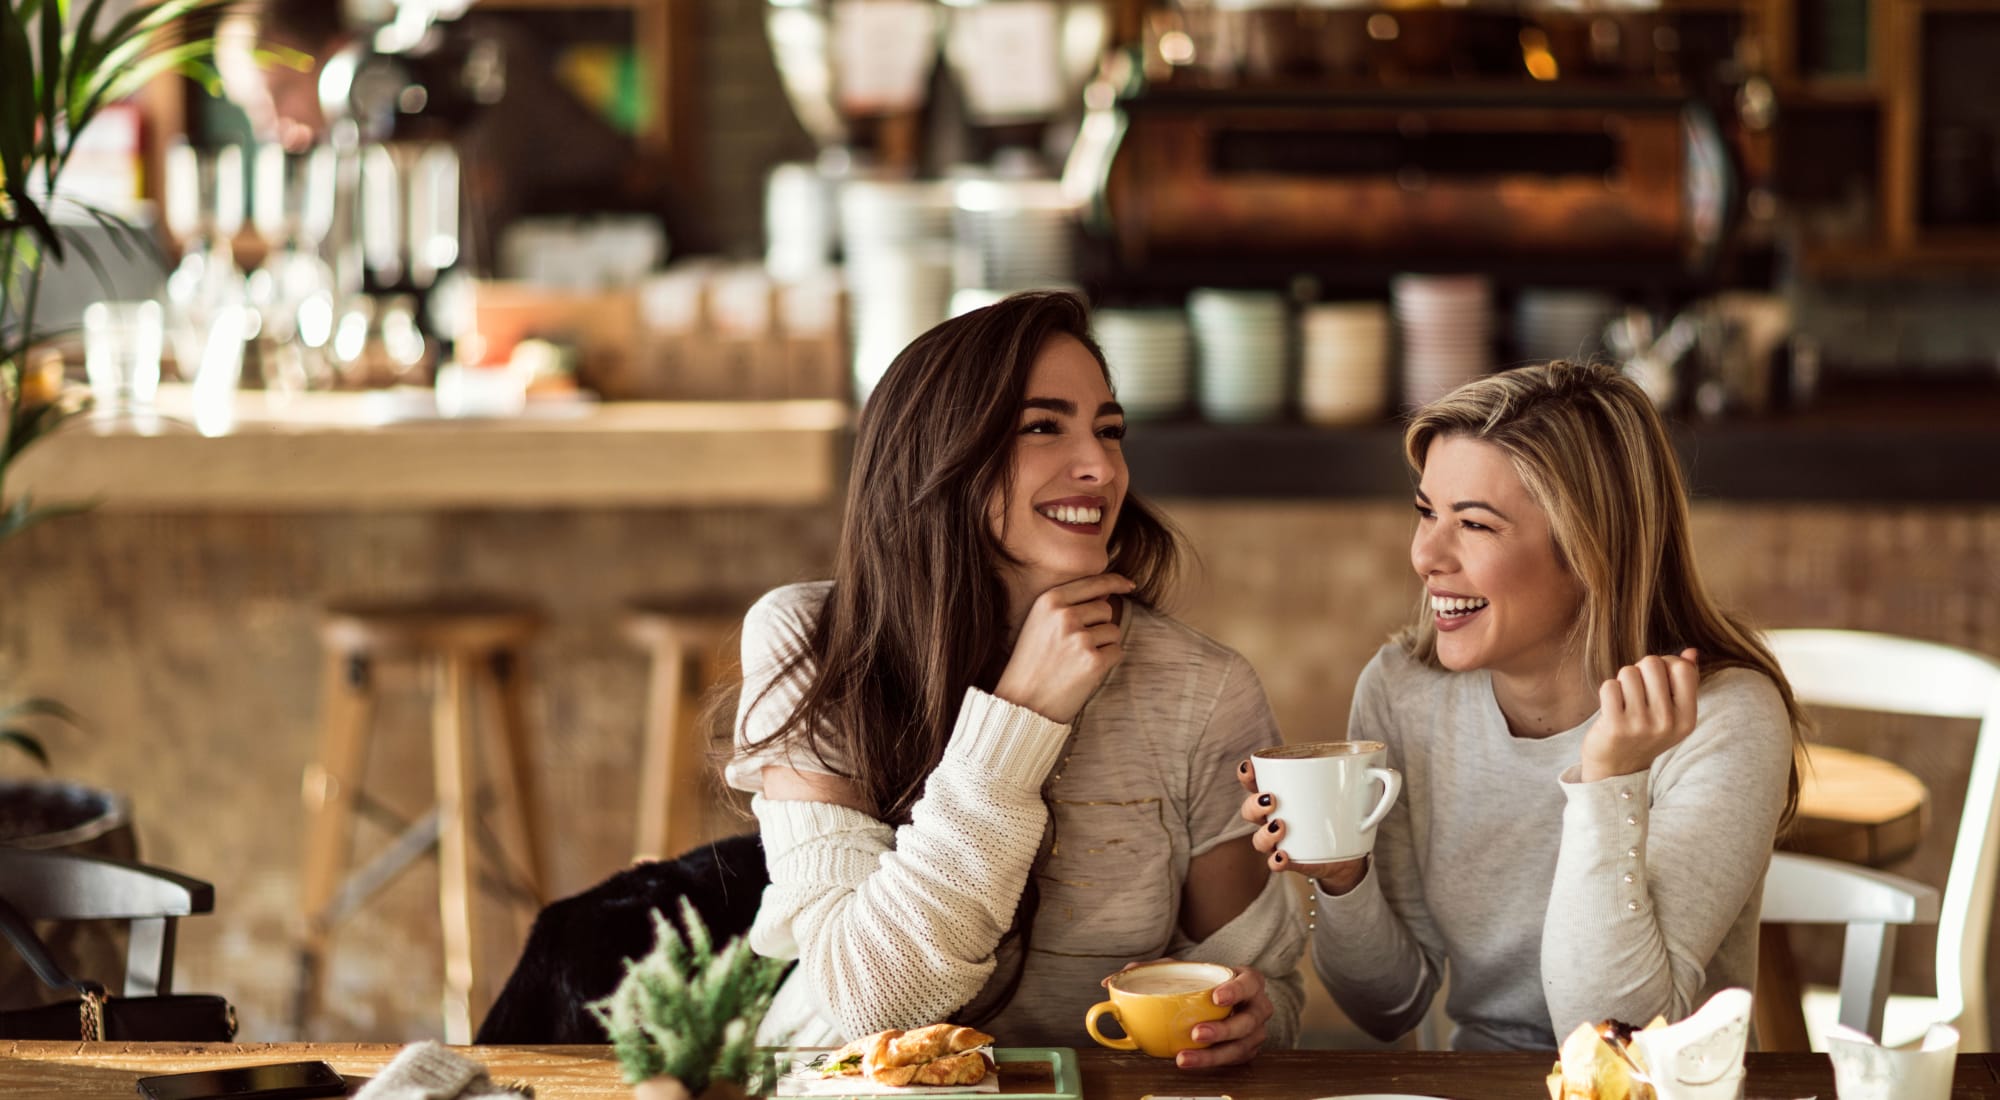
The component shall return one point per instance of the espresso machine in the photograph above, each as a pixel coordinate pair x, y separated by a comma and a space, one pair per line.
1393, 137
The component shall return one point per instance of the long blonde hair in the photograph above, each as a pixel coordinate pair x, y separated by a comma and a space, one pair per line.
1596, 458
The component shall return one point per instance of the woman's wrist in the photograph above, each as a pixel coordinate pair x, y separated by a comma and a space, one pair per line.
1343, 879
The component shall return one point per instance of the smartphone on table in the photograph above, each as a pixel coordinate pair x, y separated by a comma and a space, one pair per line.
274, 1082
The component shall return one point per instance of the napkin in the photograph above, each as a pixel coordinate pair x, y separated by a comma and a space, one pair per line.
1700, 1058
427, 1071
1865, 1070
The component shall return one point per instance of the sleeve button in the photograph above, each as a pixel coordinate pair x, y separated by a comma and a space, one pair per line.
1631, 819
1630, 877
1632, 905
1631, 853
1625, 793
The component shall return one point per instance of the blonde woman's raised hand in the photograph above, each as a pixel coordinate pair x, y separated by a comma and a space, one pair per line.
1068, 644
1334, 878
1648, 708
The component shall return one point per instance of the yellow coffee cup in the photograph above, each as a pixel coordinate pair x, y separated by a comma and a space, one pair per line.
1158, 1005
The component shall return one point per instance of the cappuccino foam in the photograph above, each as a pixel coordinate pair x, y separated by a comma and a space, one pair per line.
1162, 985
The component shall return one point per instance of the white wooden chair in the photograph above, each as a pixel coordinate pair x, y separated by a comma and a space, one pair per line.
1880, 672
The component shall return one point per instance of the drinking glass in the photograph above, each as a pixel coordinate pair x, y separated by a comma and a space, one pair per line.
121, 354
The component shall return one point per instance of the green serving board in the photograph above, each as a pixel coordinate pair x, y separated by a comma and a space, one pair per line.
1063, 1082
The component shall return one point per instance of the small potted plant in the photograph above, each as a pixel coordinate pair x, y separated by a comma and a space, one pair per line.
683, 1022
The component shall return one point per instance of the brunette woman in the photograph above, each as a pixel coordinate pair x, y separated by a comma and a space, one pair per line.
1596, 758
988, 771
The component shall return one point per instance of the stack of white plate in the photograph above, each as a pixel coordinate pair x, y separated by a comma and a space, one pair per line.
897, 238
1446, 325
1343, 362
1014, 235
1147, 351
1561, 324
1242, 343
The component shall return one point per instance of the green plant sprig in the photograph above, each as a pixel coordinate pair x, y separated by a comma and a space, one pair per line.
689, 1010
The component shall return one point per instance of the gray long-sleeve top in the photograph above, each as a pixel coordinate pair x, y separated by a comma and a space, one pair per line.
1554, 901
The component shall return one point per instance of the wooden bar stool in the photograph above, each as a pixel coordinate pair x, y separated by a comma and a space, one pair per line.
473, 649
688, 641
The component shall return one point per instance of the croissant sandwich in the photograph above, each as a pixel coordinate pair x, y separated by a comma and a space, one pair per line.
941, 1054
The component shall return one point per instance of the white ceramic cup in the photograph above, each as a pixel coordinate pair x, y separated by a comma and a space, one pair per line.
1326, 796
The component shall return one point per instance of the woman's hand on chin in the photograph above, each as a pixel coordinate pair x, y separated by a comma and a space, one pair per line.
1648, 708
1334, 879
1068, 644
1237, 1037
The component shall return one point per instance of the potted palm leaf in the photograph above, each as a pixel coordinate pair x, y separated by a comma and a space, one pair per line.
683, 1022
61, 63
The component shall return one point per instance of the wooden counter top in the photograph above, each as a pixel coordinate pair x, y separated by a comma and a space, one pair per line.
364, 450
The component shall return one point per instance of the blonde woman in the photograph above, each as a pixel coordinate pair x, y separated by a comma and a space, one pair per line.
1596, 758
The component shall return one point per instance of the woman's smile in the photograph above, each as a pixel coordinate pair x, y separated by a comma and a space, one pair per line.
1081, 515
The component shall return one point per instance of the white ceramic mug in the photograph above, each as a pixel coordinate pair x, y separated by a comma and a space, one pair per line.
1326, 798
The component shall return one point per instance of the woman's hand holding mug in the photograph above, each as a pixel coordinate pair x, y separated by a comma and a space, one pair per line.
1201, 1015
1068, 644
1334, 876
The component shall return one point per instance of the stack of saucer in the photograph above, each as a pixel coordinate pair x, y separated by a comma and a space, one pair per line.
1561, 324
1446, 325
897, 238
1013, 235
1242, 341
1147, 351
1343, 362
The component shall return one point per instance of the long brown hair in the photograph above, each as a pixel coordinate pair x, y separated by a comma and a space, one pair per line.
918, 611
1596, 458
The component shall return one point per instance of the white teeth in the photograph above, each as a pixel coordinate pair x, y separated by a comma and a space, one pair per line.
1446, 605
1066, 513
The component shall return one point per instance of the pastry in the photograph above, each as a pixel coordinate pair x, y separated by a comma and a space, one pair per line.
968, 1068
1598, 1063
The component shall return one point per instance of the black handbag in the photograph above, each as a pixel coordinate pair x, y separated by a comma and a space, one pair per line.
94, 1015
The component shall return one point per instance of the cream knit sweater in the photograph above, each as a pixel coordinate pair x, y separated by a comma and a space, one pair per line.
900, 927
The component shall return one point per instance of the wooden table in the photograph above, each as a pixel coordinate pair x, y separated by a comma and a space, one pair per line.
1852, 807
53, 1071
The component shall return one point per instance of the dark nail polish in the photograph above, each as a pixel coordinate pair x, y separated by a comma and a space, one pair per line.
1263, 800
1271, 828
1278, 857
1243, 768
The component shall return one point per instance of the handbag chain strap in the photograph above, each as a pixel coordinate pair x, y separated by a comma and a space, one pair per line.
91, 1008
